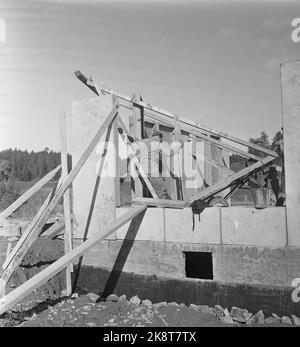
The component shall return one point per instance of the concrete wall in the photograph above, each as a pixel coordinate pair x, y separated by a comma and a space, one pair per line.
87, 117
248, 246
228, 226
276, 266
290, 75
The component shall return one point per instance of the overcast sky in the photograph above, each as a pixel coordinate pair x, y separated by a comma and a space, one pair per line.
214, 62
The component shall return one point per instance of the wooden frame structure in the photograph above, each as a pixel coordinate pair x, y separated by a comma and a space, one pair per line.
34, 229
181, 126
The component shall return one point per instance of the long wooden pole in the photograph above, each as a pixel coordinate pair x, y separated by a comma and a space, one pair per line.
206, 137
29, 193
229, 180
172, 116
66, 200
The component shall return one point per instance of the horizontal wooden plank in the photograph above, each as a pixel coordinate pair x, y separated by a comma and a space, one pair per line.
159, 202
42, 277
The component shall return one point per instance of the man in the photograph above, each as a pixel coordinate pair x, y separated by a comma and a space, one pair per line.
150, 152
268, 177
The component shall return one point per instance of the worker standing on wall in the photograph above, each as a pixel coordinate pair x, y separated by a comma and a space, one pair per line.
150, 151
269, 177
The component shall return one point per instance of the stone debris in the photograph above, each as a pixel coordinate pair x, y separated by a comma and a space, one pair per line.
147, 302
159, 305
194, 307
204, 308
94, 297
112, 298
295, 320
226, 320
286, 320
122, 298
116, 311
135, 300
173, 303
90, 324
270, 320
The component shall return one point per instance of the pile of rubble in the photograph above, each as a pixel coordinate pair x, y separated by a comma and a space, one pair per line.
90, 310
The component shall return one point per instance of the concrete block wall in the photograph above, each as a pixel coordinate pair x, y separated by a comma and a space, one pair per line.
244, 226
231, 264
248, 246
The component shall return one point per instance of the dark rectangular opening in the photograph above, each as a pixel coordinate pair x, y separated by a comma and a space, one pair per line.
199, 265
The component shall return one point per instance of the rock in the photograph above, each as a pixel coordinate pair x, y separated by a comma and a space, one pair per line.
257, 318
91, 324
286, 320
135, 300
74, 296
226, 313
159, 305
247, 316
212, 311
122, 298
277, 318
112, 298
147, 302
194, 307
270, 320
237, 314
92, 296
173, 303
295, 320
226, 320
219, 308
183, 305
204, 309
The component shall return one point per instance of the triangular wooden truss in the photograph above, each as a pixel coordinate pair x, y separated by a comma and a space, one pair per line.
200, 132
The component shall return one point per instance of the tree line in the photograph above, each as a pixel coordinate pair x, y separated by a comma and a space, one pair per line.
26, 166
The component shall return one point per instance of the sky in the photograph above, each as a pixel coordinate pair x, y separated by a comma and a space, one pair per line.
215, 62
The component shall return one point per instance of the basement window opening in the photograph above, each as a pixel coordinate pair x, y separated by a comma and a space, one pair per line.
199, 265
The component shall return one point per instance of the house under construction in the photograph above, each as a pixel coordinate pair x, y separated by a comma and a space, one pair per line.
118, 239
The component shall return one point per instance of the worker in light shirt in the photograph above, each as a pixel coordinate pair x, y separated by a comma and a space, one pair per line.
150, 153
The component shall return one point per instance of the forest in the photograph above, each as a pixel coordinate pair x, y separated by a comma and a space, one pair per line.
22, 165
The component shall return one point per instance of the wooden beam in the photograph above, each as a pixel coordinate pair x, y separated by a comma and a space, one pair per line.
27, 232
117, 164
171, 115
55, 200
136, 161
66, 200
139, 168
54, 230
159, 202
42, 277
29, 193
228, 181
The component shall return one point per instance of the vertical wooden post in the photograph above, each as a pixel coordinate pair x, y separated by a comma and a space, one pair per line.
117, 160
180, 182
207, 166
135, 127
66, 200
